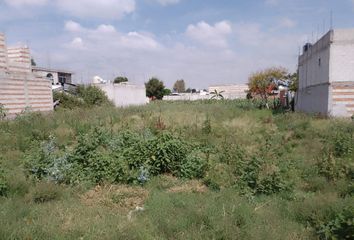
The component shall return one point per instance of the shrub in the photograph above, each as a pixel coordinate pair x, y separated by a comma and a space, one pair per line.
339, 226
67, 100
93, 96
193, 166
2, 112
45, 192
3, 183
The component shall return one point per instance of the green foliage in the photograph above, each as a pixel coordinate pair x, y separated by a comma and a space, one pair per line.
339, 226
86, 96
92, 95
217, 95
99, 158
3, 182
45, 192
155, 88
67, 100
2, 112
253, 175
167, 92
120, 79
260, 83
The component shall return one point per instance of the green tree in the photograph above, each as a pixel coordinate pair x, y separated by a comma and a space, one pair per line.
294, 79
167, 92
261, 83
155, 89
179, 86
120, 79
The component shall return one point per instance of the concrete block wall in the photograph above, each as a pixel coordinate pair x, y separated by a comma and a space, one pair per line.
342, 95
20, 89
3, 53
19, 59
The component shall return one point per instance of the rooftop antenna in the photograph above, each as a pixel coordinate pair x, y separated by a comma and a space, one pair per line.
331, 20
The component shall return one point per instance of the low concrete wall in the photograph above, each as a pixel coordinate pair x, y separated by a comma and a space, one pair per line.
186, 97
123, 95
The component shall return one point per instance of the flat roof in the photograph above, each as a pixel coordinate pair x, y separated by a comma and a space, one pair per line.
51, 70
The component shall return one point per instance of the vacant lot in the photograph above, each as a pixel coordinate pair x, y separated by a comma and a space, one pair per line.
203, 170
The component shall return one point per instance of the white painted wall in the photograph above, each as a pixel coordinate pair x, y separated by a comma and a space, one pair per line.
342, 56
124, 95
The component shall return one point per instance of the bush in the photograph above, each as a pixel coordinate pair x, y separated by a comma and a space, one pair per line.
86, 96
3, 183
67, 100
193, 166
98, 157
339, 226
45, 192
2, 112
93, 96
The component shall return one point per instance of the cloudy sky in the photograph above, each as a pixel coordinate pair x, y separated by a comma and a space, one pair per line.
203, 42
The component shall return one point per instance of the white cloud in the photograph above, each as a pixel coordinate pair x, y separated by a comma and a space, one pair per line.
21, 3
77, 43
167, 2
206, 34
72, 26
102, 9
287, 23
107, 35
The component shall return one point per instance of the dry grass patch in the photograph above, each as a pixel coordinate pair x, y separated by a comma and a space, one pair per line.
120, 197
192, 186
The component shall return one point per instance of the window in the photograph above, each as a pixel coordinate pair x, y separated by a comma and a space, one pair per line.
319, 62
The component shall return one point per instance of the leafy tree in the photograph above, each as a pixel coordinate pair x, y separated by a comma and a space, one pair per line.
217, 95
189, 90
179, 86
167, 92
120, 79
294, 79
155, 88
261, 82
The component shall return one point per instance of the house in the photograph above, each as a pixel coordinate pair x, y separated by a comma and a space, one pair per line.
20, 88
56, 77
326, 75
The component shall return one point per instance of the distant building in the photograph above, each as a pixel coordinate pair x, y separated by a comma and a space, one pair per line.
20, 89
326, 75
124, 94
56, 77
232, 91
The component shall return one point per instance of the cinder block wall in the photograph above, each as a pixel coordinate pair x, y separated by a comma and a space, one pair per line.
3, 54
20, 89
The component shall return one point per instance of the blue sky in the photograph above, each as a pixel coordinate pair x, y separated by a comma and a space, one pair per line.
204, 42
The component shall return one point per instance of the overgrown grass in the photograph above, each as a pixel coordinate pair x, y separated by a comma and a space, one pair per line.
201, 170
